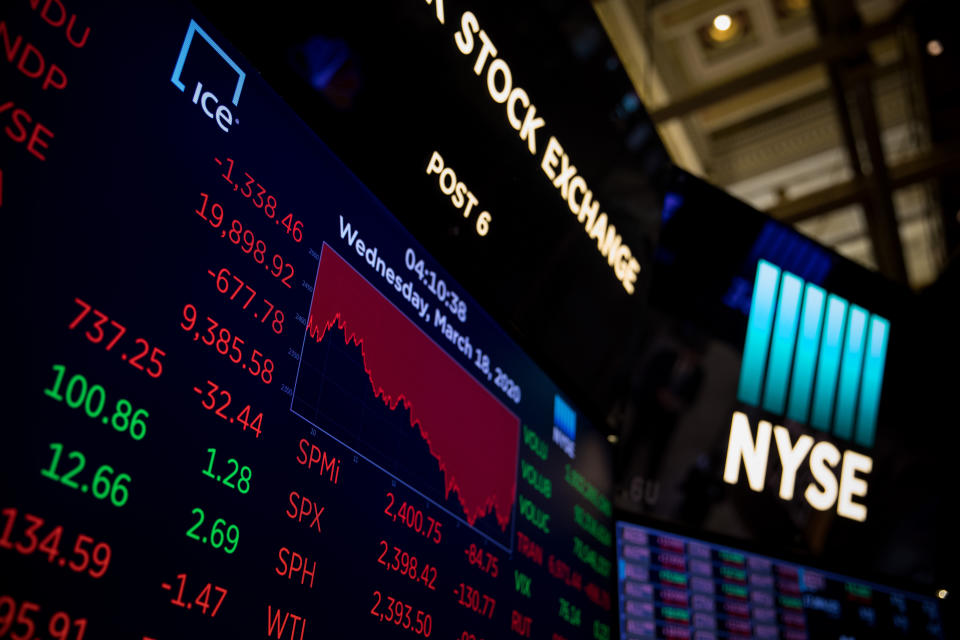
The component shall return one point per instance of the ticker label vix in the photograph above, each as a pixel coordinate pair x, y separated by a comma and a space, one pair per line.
813, 358
207, 100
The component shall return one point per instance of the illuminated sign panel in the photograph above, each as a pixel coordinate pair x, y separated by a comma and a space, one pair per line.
828, 350
555, 163
719, 423
814, 358
564, 426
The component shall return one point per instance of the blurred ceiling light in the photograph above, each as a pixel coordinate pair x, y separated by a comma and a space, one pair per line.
725, 28
612, 438
934, 48
942, 594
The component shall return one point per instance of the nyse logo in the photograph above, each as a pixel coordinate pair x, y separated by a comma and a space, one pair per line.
814, 358
564, 426
208, 102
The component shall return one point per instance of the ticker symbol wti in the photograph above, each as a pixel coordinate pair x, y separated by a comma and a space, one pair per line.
208, 102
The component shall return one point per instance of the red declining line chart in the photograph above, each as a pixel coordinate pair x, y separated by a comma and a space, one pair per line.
462, 430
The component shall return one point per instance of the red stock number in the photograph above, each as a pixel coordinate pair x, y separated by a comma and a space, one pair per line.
25, 615
225, 282
389, 609
482, 559
249, 188
477, 602
598, 596
219, 400
563, 571
414, 519
396, 559
202, 600
87, 555
103, 325
227, 344
247, 241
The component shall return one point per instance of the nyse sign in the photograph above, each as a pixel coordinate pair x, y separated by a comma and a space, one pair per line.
814, 358
823, 457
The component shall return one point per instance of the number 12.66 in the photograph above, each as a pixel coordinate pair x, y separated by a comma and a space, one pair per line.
102, 484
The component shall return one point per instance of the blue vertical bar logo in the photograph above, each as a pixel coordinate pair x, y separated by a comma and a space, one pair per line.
564, 426
813, 356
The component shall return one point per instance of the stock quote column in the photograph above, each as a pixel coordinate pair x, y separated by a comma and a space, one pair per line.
248, 402
681, 588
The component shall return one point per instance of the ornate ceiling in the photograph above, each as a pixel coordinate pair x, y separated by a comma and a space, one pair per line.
790, 107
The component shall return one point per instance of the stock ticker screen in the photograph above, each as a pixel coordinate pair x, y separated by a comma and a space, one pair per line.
251, 403
672, 586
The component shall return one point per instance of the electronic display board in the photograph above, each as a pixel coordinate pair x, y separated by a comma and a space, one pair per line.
672, 586
783, 399
250, 402
517, 110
